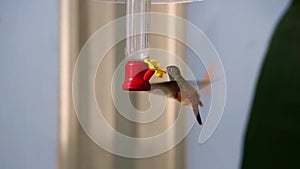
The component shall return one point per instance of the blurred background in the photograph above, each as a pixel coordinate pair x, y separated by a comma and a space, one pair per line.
39, 44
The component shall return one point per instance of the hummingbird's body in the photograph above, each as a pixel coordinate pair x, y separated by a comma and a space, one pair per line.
179, 89
187, 94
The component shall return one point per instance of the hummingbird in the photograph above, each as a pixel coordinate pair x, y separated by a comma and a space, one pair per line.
181, 90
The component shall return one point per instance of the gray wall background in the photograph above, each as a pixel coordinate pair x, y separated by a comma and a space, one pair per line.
28, 83
240, 31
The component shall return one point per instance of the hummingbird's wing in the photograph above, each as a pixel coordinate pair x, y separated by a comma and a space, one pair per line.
170, 88
171, 85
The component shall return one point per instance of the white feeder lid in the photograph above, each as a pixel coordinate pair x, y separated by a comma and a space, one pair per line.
153, 1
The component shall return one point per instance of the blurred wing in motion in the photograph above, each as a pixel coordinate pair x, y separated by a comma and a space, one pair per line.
171, 89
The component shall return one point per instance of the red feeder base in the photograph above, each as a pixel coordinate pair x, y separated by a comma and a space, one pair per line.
137, 75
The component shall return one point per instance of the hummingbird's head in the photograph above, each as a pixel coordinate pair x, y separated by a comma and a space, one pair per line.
173, 71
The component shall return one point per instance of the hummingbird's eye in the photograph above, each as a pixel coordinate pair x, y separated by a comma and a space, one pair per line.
172, 70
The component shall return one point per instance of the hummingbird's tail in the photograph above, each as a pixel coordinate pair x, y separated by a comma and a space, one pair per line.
197, 114
199, 119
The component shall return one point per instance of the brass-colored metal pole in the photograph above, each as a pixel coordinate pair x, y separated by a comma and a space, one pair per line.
67, 122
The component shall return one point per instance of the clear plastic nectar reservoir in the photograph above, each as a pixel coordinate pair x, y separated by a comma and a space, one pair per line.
137, 25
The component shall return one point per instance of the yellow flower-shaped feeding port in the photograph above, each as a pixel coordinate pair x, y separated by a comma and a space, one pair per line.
155, 66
